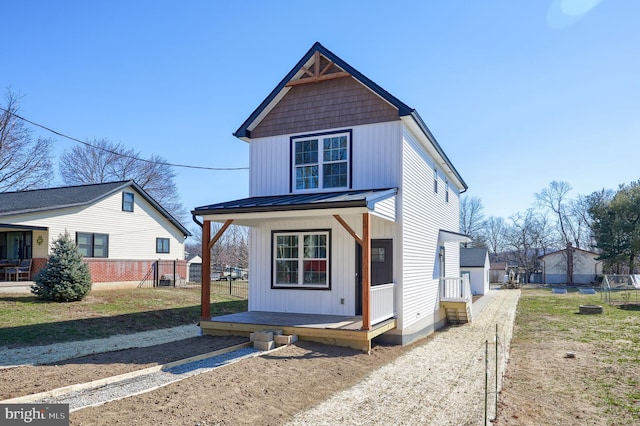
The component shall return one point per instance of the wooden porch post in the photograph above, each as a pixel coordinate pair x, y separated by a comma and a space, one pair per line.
366, 272
207, 245
205, 292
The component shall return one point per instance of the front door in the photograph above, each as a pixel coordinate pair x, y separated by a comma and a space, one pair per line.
381, 267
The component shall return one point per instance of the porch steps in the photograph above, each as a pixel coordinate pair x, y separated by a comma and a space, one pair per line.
457, 312
265, 340
457, 315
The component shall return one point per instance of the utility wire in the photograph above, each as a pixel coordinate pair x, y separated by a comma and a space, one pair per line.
186, 166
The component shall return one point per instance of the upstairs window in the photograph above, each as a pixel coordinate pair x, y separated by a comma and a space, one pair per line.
446, 191
127, 202
435, 180
321, 161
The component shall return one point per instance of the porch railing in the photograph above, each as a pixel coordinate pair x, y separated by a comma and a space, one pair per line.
382, 302
457, 289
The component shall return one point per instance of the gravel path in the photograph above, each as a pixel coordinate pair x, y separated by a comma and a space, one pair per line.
438, 383
146, 383
34, 355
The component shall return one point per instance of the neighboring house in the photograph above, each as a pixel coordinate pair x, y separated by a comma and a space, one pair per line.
475, 262
353, 213
585, 266
117, 226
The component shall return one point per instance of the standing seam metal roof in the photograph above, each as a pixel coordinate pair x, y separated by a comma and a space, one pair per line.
323, 200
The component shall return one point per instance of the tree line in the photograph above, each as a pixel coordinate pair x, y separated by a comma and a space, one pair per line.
606, 222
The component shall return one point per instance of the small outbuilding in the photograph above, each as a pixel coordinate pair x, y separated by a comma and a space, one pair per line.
475, 263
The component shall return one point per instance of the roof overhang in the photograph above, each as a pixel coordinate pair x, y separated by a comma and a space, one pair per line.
417, 126
12, 226
452, 237
249, 211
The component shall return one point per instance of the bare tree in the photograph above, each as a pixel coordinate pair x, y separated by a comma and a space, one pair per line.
25, 162
103, 161
554, 197
526, 237
494, 234
472, 219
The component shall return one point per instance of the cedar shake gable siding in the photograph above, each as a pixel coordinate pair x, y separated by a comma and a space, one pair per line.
328, 104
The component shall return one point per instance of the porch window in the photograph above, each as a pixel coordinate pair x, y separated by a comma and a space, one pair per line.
93, 245
321, 161
301, 259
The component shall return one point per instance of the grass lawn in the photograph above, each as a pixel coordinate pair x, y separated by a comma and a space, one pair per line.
601, 385
26, 320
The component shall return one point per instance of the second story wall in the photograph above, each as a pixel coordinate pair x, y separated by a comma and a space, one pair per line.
375, 157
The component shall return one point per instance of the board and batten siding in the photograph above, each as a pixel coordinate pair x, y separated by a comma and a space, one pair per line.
423, 214
132, 235
342, 267
375, 159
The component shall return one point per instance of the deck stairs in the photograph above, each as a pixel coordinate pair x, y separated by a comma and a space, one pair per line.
456, 299
457, 313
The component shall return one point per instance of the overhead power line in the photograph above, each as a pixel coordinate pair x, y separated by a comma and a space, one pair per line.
186, 166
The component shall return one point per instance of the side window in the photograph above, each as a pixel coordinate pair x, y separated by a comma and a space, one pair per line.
446, 191
162, 245
435, 180
127, 201
93, 245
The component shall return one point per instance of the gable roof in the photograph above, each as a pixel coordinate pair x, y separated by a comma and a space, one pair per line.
472, 257
557, 252
37, 200
297, 73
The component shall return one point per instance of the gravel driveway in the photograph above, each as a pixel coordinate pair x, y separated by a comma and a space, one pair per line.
438, 383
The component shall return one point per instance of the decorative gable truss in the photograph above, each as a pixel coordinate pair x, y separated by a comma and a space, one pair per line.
321, 69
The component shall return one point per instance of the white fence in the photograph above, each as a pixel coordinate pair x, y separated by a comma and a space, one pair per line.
382, 302
455, 288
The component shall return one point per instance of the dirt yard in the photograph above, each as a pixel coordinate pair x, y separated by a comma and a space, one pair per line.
266, 390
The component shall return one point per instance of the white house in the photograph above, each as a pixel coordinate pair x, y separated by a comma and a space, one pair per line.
585, 266
117, 226
475, 263
353, 213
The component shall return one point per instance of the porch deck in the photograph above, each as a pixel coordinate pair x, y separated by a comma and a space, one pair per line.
330, 329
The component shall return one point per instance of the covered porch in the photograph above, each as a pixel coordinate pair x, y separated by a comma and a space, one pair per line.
307, 311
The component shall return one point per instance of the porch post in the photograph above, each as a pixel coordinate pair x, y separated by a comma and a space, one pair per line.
207, 245
205, 291
366, 272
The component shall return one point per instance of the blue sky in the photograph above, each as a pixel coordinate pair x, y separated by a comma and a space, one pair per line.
517, 93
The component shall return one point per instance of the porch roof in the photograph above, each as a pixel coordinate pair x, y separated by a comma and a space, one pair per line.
365, 199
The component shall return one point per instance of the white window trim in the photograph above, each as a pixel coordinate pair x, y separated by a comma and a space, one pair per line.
320, 138
300, 285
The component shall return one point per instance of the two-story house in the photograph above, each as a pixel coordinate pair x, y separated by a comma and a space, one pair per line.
353, 214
